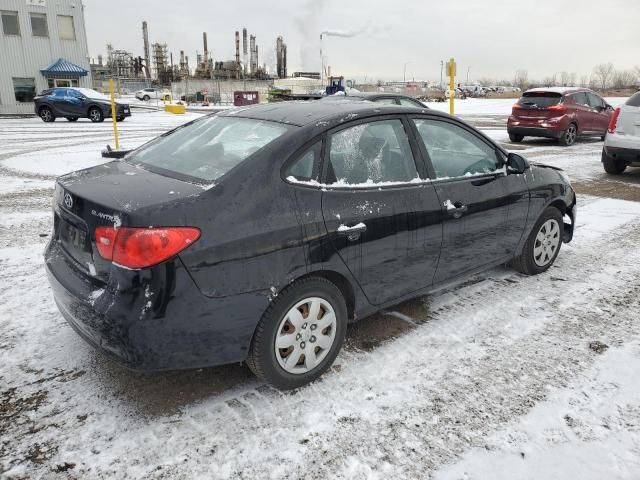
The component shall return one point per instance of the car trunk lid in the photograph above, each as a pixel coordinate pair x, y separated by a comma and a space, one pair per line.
113, 194
538, 105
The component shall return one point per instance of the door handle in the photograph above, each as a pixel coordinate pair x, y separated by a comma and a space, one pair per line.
457, 209
353, 232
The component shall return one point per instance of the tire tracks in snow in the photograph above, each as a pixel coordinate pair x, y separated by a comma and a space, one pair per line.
488, 353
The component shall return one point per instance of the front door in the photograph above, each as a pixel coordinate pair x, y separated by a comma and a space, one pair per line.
484, 209
601, 114
382, 219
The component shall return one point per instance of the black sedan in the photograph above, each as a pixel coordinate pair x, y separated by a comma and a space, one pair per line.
257, 234
377, 97
74, 103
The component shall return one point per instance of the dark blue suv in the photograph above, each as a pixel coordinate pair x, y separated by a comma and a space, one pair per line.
73, 103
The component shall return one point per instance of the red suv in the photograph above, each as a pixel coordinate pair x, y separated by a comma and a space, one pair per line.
562, 113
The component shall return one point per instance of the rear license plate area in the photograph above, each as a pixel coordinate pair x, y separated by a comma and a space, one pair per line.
75, 240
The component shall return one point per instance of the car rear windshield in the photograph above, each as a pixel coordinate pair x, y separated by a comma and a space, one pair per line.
539, 99
633, 100
207, 149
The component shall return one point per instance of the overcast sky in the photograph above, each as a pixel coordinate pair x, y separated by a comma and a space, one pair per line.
490, 38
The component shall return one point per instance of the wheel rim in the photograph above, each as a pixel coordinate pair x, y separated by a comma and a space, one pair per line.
571, 134
547, 243
45, 114
95, 115
305, 335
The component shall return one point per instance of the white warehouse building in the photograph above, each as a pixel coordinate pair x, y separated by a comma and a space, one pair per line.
43, 44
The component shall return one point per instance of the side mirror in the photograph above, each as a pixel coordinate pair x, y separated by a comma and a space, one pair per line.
517, 164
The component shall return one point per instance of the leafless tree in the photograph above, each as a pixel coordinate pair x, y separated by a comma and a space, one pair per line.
624, 78
603, 73
521, 79
550, 81
584, 81
567, 79
485, 82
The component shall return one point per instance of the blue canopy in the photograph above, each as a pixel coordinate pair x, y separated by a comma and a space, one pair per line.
64, 68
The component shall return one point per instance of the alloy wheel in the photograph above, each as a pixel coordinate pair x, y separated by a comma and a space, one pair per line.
305, 335
547, 243
46, 114
571, 134
94, 115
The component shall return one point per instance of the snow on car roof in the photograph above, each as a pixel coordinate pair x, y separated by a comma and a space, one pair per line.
303, 113
557, 89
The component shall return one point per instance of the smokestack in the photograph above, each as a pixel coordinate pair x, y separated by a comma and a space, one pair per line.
284, 61
237, 48
244, 48
256, 59
206, 50
147, 58
252, 46
279, 57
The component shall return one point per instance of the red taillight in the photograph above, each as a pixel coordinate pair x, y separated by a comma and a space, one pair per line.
558, 107
614, 121
143, 247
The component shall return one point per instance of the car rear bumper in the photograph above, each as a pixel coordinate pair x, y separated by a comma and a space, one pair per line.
535, 131
628, 155
155, 319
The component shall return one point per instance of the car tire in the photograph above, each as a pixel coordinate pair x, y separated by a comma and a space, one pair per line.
146, 98
543, 244
611, 165
569, 136
72, 119
516, 137
96, 115
285, 321
47, 115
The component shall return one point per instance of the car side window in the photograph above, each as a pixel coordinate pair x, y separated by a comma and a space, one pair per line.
410, 103
60, 93
386, 101
580, 98
370, 153
306, 167
454, 151
595, 101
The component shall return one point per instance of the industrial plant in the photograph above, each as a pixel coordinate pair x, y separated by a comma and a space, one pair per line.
156, 64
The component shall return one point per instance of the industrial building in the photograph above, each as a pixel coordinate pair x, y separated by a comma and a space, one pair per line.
43, 44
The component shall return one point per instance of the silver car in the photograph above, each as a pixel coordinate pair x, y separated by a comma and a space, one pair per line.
622, 142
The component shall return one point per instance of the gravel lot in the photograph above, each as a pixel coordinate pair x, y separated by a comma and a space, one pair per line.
505, 376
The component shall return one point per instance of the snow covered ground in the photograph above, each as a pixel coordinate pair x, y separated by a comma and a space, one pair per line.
505, 376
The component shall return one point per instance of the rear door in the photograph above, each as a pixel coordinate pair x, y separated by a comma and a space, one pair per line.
382, 218
485, 209
583, 111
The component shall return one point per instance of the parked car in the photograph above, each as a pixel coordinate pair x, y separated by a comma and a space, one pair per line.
74, 103
147, 94
379, 97
563, 113
622, 143
296, 218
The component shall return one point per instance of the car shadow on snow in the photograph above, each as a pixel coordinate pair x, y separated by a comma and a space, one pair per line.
165, 393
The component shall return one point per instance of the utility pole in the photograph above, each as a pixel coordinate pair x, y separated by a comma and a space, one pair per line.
468, 68
404, 73
441, 69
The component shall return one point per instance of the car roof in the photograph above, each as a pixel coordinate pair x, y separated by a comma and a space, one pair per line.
560, 90
302, 113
